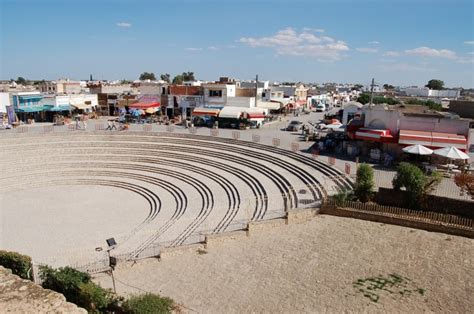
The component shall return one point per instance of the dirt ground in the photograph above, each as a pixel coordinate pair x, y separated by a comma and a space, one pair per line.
313, 267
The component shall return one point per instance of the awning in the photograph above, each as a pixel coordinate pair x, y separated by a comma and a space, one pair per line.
59, 108
144, 105
373, 135
31, 109
231, 112
81, 106
255, 116
432, 139
269, 105
206, 112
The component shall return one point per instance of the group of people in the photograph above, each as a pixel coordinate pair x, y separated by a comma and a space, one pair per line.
112, 125
78, 124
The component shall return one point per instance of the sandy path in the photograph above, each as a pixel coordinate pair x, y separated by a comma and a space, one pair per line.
311, 267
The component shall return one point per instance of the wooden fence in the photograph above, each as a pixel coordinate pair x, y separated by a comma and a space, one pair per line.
431, 221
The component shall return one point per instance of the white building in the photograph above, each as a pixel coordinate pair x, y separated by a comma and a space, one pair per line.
86, 102
217, 94
4, 102
426, 92
350, 111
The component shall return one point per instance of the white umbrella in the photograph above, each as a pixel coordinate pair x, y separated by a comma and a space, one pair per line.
451, 153
417, 150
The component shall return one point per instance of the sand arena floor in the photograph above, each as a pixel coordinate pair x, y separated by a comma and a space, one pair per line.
311, 267
64, 193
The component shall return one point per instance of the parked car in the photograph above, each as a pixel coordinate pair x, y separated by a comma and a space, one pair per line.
321, 108
294, 126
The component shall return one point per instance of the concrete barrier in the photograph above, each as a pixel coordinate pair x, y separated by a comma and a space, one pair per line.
299, 215
214, 239
258, 226
178, 250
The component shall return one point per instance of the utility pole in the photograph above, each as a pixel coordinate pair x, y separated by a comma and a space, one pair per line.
256, 89
371, 103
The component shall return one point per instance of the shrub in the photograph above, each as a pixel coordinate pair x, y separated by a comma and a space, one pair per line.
412, 179
465, 182
415, 182
19, 264
364, 186
77, 287
343, 196
148, 303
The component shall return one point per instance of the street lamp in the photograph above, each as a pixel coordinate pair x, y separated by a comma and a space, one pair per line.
112, 260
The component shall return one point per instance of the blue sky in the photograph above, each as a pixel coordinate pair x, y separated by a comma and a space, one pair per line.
399, 42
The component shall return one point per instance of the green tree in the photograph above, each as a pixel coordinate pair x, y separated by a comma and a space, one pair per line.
21, 80
178, 79
364, 186
188, 76
147, 76
364, 98
388, 86
415, 182
357, 87
435, 84
166, 77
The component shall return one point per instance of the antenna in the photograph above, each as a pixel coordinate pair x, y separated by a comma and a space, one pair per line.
371, 102
256, 89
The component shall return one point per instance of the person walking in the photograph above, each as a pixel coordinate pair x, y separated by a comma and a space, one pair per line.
109, 126
114, 126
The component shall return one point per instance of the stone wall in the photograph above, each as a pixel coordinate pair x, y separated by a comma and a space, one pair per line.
23, 296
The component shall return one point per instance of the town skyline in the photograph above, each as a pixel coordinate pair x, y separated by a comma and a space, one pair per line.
325, 42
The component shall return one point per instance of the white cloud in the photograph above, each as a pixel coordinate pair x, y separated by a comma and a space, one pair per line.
290, 42
212, 48
391, 54
470, 53
367, 50
124, 24
193, 49
374, 42
314, 30
404, 67
469, 42
430, 52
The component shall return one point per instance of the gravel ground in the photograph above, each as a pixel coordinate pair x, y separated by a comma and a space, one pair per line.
311, 267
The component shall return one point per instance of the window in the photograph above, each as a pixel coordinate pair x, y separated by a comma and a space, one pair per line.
215, 93
264, 94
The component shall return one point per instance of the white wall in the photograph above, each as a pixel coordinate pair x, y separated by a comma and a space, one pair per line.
246, 102
455, 126
4, 101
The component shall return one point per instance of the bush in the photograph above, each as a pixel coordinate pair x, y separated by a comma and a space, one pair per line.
148, 303
77, 287
415, 182
343, 196
19, 264
364, 186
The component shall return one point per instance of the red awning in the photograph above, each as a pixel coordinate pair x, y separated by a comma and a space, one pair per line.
144, 105
255, 115
432, 139
373, 135
206, 112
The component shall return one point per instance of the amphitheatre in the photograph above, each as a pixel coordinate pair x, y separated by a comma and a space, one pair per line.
66, 192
